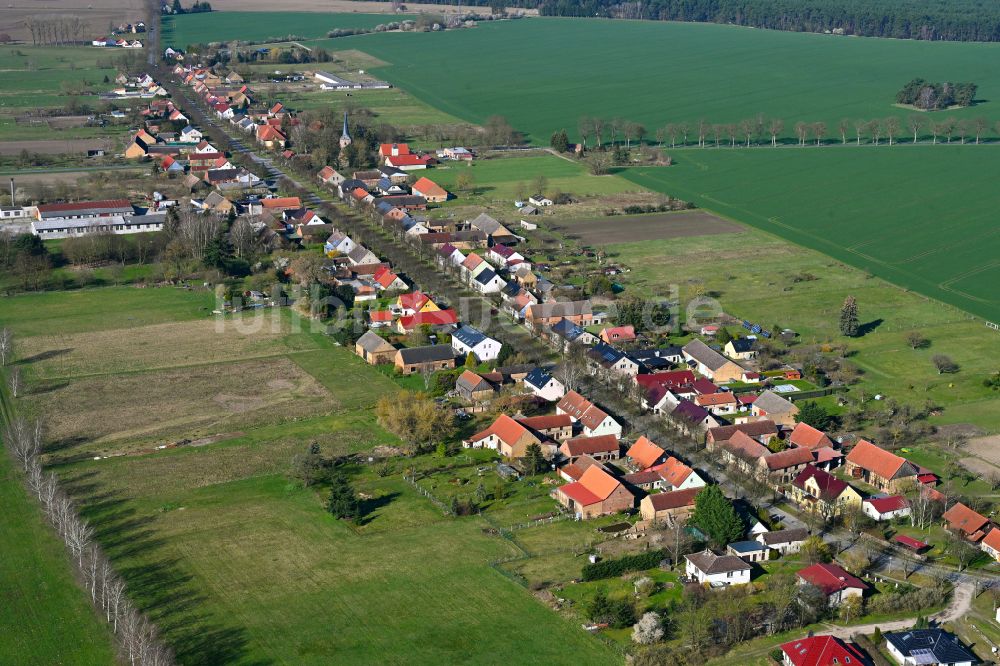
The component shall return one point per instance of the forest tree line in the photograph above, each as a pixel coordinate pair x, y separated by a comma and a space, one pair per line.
959, 20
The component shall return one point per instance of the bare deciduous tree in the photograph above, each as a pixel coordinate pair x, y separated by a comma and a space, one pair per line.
6, 346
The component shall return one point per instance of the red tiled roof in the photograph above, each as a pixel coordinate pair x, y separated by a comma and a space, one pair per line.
672, 379
964, 519
385, 149
715, 399
379, 315
644, 453
910, 542
673, 500
506, 430
84, 205
281, 202
830, 487
888, 504
413, 300
742, 445
788, 458
876, 460
673, 471
436, 318
822, 651
406, 160
579, 493
546, 422
585, 445
992, 538
427, 187
830, 578
809, 437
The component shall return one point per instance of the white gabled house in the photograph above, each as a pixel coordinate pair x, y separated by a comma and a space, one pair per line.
544, 385
468, 339
707, 567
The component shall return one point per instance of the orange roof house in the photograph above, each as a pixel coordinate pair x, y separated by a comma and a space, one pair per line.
805, 436
432, 318
644, 453
878, 467
270, 136
991, 543
597, 493
428, 189
613, 334
603, 447
281, 203
415, 301
393, 149
677, 476
965, 521
507, 437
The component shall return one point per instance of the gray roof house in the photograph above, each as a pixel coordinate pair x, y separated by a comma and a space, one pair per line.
921, 647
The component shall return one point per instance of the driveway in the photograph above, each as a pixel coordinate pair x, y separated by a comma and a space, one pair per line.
961, 602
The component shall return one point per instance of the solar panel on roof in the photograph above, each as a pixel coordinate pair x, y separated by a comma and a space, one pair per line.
766, 334
746, 324
755, 329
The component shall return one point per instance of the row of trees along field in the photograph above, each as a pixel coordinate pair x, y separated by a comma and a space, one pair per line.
598, 132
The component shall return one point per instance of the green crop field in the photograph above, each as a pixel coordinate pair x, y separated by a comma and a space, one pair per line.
44, 618
179, 31
921, 217
236, 562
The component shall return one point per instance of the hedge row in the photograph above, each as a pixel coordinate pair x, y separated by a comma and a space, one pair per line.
621, 565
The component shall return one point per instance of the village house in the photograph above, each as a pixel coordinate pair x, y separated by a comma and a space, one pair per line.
769, 405
488, 282
669, 508
928, 647
886, 508
820, 492
543, 385
414, 302
759, 431
592, 418
425, 359
710, 363
676, 475
708, 568
879, 468
508, 438
741, 349
374, 349
748, 551
558, 427
644, 454
602, 447
617, 334
991, 543
379, 318
493, 229
783, 466
691, 418
473, 387
784, 541
835, 583
436, 319
597, 493
549, 313
429, 190
821, 651
719, 404
387, 280
965, 522
573, 471
807, 437
468, 339
613, 360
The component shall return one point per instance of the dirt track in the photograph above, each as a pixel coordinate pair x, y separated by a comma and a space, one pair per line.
633, 228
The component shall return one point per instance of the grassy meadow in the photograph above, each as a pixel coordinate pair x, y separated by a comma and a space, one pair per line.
179, 31
236, 562
45, 618
759, 277
918, 216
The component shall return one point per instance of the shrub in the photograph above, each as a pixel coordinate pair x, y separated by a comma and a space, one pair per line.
621, 565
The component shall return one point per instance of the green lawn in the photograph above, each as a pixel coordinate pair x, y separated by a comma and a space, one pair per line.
64, 312
499, 179
45, 618
393, 106
756, 276
180, 31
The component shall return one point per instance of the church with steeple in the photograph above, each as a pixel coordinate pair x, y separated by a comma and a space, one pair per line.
345, 137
